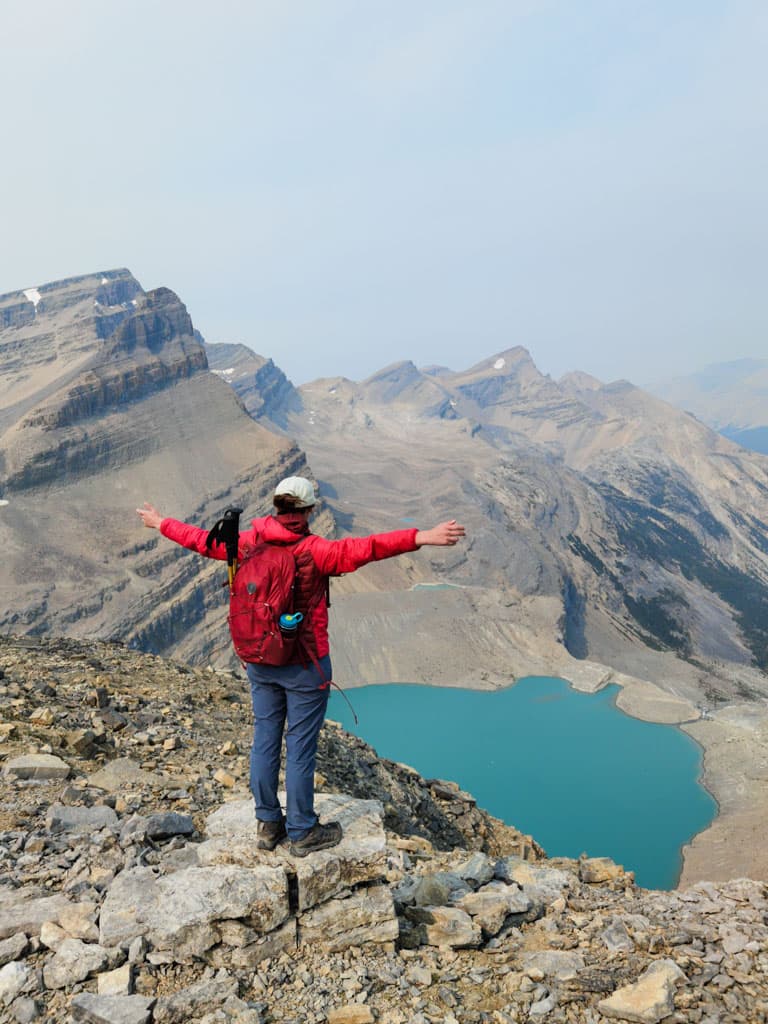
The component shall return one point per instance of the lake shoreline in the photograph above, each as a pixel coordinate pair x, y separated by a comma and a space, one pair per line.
615, 783
732, 739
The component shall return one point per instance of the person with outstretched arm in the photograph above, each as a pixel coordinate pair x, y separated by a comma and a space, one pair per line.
296, 694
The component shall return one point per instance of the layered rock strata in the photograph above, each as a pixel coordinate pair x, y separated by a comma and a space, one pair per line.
106, 401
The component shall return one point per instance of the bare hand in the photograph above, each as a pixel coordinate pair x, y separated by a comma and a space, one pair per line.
150, 516
443, 535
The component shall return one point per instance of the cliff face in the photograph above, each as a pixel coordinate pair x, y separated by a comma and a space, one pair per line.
150, 348
261, 386
108, 401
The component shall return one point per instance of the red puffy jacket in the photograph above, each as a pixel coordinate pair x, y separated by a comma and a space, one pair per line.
332, 557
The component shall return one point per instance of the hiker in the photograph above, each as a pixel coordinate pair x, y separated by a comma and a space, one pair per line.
297, 693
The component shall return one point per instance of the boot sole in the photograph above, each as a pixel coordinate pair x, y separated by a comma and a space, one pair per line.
314, 849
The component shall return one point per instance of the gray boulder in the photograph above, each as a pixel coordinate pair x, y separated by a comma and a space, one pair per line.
13, 977
366, 916
73, 961
111, 1009
616, 937
492, 905
178, 912
191, 1003
430, 891
476, 871
12, 948
542, 883
445, 926
36, 766
122, 772
553, 963
171, 823
79, 819
26, 910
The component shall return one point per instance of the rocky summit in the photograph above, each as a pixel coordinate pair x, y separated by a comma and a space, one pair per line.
132, 891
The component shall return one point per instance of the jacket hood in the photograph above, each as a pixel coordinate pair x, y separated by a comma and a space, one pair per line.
274, 532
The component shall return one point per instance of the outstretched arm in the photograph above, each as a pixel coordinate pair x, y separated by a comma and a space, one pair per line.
150, 516
335, 557
442, 535
192, 537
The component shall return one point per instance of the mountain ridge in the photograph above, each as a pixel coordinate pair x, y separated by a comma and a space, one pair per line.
634, 452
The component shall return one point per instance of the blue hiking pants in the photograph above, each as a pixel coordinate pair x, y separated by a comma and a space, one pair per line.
296, 696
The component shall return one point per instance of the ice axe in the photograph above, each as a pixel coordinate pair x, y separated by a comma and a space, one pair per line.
227, 532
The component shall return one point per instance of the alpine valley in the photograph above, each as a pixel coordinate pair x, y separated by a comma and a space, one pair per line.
611, 537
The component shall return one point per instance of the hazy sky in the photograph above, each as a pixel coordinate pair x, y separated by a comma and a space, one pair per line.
340, 185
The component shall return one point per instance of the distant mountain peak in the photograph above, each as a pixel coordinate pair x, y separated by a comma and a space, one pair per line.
404, 369
731, 397
106, 293
577, 380
510, 359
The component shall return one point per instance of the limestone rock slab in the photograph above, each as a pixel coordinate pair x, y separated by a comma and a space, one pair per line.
190, 1003
73, 961
366, 916
359, 857
111, 1009
351, 1013
553, 963
491, 905
13, 947
79, 921
649, 999
13, 977
595, 870
26, 910
123, 771
52, 935
255, 949
61, 818
118, 982
446, 926
178, 912
36, 766
542, 883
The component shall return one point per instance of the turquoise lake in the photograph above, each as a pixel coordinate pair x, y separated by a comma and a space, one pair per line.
568, 768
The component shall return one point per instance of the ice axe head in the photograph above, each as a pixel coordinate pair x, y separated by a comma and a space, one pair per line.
227, 532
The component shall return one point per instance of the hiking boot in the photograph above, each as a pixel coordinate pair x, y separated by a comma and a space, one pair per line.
270, 833
319, 837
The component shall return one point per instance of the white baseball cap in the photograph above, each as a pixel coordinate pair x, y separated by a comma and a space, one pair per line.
297, 487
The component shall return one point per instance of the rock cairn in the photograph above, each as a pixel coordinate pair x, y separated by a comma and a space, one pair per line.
131, 889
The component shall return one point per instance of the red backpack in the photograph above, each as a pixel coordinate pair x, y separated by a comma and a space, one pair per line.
263, 590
